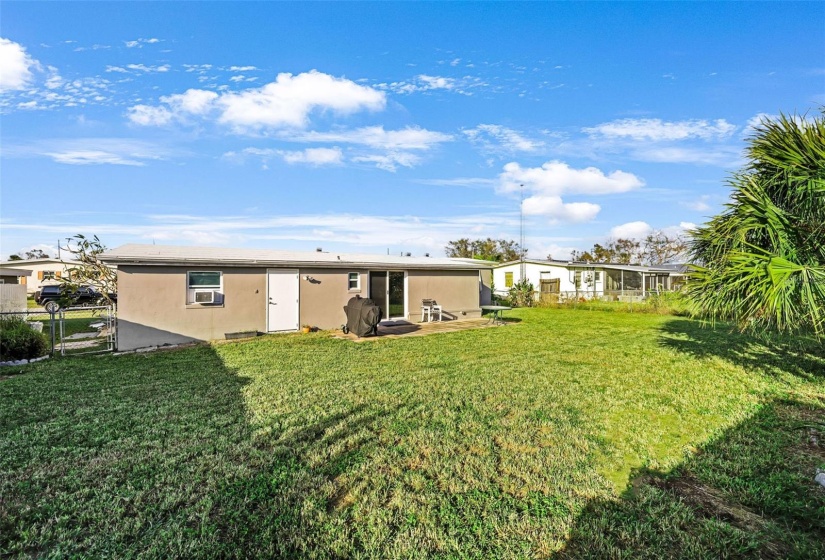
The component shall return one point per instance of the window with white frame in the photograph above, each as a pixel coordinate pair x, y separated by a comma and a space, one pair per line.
354, 281
204, 287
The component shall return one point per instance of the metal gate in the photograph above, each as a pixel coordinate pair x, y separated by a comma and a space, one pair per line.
85, 330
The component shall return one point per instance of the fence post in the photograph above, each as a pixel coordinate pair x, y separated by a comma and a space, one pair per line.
52, 308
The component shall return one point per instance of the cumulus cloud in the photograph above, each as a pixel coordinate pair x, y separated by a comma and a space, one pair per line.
555, 178
146, 115
640, 230
192, 101
554, 208
659, 130
15, 66
495, 138
631, 230
286, 102
547, 184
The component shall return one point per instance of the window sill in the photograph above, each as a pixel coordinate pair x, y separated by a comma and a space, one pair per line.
353, 291
203, 305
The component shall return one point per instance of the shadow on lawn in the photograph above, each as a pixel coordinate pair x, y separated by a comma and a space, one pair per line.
749, 493
806, 360
156, 455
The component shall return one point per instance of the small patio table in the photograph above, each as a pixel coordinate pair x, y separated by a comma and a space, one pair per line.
495, 318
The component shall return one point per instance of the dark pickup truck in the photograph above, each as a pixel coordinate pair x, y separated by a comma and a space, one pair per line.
83, 296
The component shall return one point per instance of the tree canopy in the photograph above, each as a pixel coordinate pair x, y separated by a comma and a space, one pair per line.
31, 254
656, 248
89, 270
500, 250
761, 262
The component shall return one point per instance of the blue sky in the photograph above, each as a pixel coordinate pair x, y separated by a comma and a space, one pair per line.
386, 126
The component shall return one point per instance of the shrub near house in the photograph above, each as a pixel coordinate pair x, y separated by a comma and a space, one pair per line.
18, 341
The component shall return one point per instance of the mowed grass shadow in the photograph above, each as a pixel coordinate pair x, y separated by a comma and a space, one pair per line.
749, 493
156, 455
777, 355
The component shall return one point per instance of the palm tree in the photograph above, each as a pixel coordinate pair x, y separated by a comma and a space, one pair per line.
761, 263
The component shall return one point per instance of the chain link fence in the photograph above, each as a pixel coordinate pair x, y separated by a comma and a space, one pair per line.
73, 330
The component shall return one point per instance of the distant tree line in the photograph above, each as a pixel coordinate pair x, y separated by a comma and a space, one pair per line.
499, 250
655, 249
32, 254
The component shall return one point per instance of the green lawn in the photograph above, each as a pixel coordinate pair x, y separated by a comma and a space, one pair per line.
583, 433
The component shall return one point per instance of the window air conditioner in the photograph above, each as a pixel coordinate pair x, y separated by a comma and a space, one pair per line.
205, 296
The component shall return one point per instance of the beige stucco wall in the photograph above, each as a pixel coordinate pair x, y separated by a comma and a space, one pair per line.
152, 307
457, 291
322, 300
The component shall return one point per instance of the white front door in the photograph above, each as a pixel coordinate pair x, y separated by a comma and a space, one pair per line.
282, 299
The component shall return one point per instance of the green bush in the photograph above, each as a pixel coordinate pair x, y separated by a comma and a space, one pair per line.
523, 294
18, 341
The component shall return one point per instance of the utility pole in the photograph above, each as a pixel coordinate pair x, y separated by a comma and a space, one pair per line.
521, 235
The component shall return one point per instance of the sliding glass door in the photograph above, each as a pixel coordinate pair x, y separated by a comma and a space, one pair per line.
387, 290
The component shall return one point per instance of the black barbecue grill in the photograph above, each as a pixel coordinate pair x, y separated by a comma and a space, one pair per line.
363, 316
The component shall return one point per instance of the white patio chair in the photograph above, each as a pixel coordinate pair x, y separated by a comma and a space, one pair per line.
430, 308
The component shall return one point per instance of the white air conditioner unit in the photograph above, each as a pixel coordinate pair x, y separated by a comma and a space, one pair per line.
204, 296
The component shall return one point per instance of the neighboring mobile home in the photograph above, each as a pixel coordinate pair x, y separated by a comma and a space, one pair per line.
566, 279
43, 271
170, 295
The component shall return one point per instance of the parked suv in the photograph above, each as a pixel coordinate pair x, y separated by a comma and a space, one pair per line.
85, 295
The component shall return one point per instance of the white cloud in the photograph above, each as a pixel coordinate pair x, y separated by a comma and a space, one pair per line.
658, 130
495, 138
555, 178
409, 138
390, 161
146, 115
87, 157
192, 101
242, 68
92, 151
631, 230
400, 232
640, 230
139, 43
554, 208
425, 82
15, 66
314, 156
470, 182
311, 156
700, 204
724, 156
149, 69
288, 101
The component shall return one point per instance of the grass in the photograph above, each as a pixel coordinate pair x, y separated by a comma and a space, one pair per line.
569, 432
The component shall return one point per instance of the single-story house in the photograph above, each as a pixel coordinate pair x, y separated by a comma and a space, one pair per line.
171, 294
570, 279
43, 271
